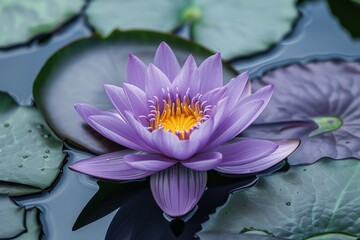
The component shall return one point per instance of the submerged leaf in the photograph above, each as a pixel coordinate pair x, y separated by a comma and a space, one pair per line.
232, 27
318, 103
322, 198
22, 20
30, 155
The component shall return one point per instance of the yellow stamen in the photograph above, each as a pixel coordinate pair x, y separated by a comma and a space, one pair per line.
177, 117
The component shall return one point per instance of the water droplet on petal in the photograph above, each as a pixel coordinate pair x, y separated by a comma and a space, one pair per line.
6, 125
26, 156
47, 151
45, 156
288, 203
20, 166
42, 169
40, 126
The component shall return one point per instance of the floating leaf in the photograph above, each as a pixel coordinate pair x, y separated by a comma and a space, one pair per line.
231, 27
11, 218
22, 20
236, 236
318, 103
33, 226
77, 73
303, 203
30, 156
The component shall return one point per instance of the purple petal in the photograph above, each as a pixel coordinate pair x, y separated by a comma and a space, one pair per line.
136, 71
215, 95
118, 131
110, 166
166, 61
155, 81
203, 133
170, 145
211, 75
236, 122
188, 77
264, 94
177, 190
235, 89
245, 151
86, 110
118, 98
139, 131
137, 99
203, 161
149, 162
285, 148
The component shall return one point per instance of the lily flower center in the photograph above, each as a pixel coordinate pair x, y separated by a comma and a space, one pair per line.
179, 115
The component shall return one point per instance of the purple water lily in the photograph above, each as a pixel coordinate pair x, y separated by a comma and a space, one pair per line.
178, 120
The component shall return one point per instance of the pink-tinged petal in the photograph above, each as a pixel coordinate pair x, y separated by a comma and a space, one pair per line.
136, 71
285, 148
110, 166
170, 145
245, 151
149, 162
211, 75
155, 81
177, 190
118, 131
187, 78
118, 98
203, 161
166, 61
236, 123
137, 99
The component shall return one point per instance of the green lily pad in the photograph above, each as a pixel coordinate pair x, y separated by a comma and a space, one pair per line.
30, 155
11, 218
33, 225
233, 27
77, 73
318, 201
21, 20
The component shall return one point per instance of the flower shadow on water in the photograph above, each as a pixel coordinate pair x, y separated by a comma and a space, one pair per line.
139, 217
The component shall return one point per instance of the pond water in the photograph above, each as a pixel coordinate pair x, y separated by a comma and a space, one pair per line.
317, 35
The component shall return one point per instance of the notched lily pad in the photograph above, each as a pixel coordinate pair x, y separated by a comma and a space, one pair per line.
77, 73
304, 203
22, 20
234, 27
30, 155
318, 103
